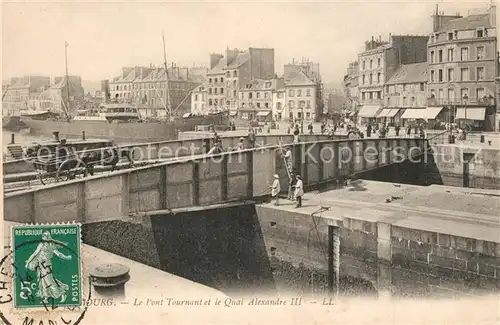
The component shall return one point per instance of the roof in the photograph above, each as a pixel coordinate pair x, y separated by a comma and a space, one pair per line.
219, 67
240, 59
297, 78
260, 84
469, 22
409, 73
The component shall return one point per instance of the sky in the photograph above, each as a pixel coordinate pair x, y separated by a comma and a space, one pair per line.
104, 36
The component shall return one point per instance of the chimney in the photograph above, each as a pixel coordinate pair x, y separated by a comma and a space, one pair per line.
109, 280
493, 15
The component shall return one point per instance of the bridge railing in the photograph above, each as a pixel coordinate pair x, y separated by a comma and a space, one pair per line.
188, 182
174, 149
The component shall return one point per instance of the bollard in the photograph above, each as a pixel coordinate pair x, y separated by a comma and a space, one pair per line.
83, 135
12, 138
109, 279
482, 138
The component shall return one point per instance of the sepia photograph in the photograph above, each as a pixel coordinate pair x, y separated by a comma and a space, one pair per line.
250, 162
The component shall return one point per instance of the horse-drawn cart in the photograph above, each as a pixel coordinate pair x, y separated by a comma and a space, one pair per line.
62, 162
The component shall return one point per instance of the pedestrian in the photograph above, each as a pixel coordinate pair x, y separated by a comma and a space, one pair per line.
310, 127
296, 133
408, 130
369, 131
299, 191
216, 138
288, 159
397, 128
291, 186
216, 149
251, 138
276, 188
240, 145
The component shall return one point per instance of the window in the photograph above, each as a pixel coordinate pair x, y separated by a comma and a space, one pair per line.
299, 92
235, 73
234, 93
291, 115
422, 86
480, 73
308, 105
228, 74
308, 92
433, 93
441, 94
404, 87
258, 95
196, 97
221, 79
432, 75
278, 106
413, 101
404, 101
464, 92
371, 64
379, 94
480, 52
266, 95
464, 74
389, 101
450, 36
222, 90
432, 56
215, 91
370, 95
291, 104
234, 83
291, 93
451, 94
378, 77
364, 65
378, 62
451, 75
362, 95
210, 102
266, 105
268, 85
479, 33
450, 55
308, 115
364, 77
479, 93
464, 54
371, 78
258, 105
440, 55
210, 91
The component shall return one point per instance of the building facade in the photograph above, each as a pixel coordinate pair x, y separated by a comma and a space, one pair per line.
256, 99
463, 64
17, 95
350, 85
280, 111
229, 73
199, 100
300, 96
146, 87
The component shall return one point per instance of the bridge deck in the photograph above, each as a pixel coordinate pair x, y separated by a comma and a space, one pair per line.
462, 212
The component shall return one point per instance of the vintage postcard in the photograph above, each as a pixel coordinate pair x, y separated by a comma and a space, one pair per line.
250, 162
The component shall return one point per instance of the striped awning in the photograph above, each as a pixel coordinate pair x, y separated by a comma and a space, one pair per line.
388, 112
266, 113
427, 113
473, 113
369, 111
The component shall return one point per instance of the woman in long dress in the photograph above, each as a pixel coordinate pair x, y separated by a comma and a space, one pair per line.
41, 262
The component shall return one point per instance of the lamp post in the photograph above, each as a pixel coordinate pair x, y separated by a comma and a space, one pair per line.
302, 118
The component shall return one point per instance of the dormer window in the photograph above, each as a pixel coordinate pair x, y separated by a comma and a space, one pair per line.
450, 36
480, 32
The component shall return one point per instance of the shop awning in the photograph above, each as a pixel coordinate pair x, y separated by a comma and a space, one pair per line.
186, 115
368, 111
233, 113
264, 113
473, 113
388, 112
428, 113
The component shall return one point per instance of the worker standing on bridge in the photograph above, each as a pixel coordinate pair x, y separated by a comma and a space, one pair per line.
276, 188
299, 191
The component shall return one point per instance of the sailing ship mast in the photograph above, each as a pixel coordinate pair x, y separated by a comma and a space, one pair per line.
167, 92
67, 82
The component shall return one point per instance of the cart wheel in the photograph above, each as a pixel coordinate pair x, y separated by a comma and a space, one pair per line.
70, 169
45, 178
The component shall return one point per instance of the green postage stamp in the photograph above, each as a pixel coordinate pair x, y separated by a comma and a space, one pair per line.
47, 266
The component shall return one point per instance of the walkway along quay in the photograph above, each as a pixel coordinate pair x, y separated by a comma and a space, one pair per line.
177, 148
199, 219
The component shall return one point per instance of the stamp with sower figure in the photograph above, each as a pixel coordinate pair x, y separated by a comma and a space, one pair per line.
47, 266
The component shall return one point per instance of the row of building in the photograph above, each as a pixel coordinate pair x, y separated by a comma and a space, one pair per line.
440, 77
244, 84
40, 93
